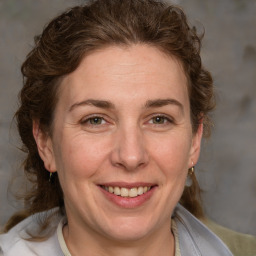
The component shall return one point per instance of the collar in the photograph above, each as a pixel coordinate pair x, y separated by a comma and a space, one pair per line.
195, 238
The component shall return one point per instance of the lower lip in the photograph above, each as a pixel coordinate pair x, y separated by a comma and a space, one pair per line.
129, 202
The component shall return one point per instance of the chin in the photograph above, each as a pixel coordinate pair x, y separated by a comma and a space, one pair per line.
130, 229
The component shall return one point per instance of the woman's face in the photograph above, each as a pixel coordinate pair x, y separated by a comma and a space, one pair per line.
122, 125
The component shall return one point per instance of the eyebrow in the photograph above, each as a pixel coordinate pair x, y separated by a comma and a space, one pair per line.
91, 102
108, 105
163, 102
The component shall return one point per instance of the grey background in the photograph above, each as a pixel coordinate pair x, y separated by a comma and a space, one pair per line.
227, 168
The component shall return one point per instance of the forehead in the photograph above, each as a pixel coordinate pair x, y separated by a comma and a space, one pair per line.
137, 69
122, 60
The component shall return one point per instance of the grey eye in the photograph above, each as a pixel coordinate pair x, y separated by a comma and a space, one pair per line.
96, 120
159, 120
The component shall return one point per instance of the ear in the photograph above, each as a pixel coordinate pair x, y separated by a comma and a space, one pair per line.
44, 147
196, 145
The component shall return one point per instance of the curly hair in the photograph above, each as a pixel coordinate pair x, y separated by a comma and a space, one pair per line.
58, 51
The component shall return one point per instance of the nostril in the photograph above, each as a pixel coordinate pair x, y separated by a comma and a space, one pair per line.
129, 151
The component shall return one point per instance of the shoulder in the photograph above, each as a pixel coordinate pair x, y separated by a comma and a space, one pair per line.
195, 238
16, 242
239, 244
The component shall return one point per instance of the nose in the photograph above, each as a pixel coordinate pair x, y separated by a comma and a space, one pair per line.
129, 150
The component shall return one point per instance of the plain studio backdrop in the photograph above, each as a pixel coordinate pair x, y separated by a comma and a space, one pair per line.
227, 167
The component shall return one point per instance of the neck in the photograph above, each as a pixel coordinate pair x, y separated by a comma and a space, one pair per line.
159, 243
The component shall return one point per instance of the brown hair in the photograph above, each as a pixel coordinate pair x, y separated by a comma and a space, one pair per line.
61, 47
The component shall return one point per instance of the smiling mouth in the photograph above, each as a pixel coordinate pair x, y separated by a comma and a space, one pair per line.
127, 192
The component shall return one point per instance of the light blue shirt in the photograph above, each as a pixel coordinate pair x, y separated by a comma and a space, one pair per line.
195, 239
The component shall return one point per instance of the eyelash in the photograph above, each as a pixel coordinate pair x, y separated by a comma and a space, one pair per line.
166, 120
90, 118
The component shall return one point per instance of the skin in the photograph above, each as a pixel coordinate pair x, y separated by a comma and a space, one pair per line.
142, 134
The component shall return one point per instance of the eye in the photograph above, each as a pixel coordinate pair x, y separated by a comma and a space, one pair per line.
96, 123
93, 121
96, 120
160, 119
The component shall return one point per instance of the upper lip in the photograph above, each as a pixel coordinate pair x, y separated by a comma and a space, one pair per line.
128, 184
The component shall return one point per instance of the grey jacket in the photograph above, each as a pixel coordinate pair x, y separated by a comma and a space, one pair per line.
194, 237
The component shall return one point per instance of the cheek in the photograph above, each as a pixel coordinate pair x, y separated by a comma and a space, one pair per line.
171, 154
81, 156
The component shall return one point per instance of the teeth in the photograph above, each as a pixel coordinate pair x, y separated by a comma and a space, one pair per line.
140, 190
117, 191
133, 192
126, 192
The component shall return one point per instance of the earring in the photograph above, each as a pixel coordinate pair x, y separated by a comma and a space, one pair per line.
189, 180
50, 178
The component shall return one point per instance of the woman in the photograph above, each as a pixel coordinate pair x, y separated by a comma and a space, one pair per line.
113, 108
